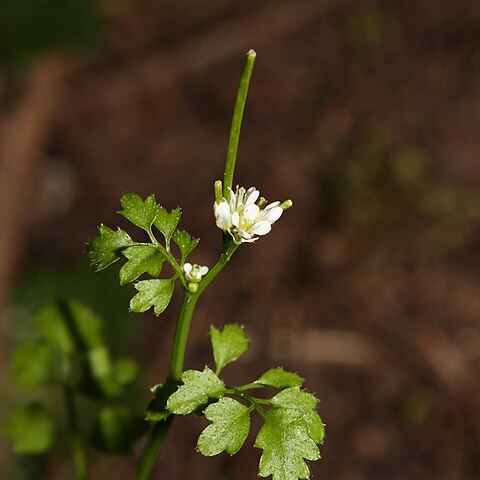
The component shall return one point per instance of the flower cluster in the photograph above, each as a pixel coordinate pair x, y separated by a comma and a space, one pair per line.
244, 216
194, 274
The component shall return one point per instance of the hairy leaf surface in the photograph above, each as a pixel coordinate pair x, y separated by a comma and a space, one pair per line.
198, 387
229, 429
228, 345
152, 293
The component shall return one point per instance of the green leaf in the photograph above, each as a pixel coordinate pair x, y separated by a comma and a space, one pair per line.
156, 293
117, 428
157, 408
106, 248
301, 406
229, 430
197, 389
279, 378
30, 429
285, 444
140, 213
167, 222
185, 242
32, 364
290, 434
141, 259
228, 345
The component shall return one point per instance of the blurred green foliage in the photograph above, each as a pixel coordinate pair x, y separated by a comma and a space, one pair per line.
43, 284
31, 27
30, 429
67, 354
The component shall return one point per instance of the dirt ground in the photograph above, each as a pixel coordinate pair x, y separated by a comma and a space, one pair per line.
364, 113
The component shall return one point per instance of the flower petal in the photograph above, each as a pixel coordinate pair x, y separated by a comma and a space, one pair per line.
203, 271
251, 212
187, 268
236, 219
272, 205
261, 228
223, 216
273, 214
252, 196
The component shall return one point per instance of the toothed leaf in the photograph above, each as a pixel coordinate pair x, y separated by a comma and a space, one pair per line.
140, 213
167, 222
197, 389
229, 429
228, 345
303, 406
106, 248
185, 242
290, 435
152, 293
279, 378
286, 445
141, 259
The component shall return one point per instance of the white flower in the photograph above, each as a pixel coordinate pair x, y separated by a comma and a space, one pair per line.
194, 273
242, 218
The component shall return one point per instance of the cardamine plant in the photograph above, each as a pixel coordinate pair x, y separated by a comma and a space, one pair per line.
291, 429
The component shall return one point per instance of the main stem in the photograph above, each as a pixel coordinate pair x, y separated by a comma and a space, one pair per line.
157, 437
79, 455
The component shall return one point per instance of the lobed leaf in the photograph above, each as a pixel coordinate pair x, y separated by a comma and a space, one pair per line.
30, 429
198, 387
106, 248
167, 222
228, 345
290, 434
152, 293
286, 445
279, 378
141, 259
140, 213
301, 406
185, 242
229, 429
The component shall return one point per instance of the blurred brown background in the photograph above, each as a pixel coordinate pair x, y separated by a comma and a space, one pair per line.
365, 113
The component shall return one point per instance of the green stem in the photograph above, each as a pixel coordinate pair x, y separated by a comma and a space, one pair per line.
157, 437
237, 122
79, 454
256, 403
153, 448
168, 255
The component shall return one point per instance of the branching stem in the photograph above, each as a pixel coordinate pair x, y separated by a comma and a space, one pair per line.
157, 437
